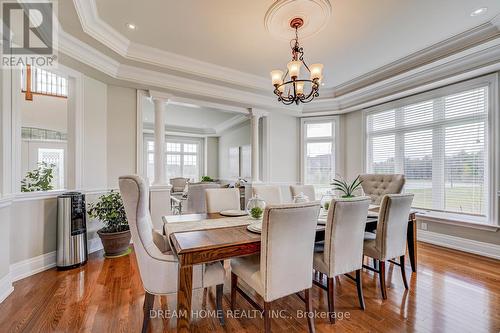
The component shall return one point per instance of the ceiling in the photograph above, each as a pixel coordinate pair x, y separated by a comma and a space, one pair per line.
360, 37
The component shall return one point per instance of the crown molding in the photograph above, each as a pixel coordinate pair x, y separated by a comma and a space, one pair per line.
230, 123
458, 43
98, 29
477, 61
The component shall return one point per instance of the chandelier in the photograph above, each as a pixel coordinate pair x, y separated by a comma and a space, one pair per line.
288, 86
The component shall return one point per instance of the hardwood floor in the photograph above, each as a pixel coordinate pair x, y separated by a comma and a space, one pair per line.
452, 292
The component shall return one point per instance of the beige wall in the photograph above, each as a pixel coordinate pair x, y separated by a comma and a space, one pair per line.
121, 133
94, 137
212, 157
284, 141
353, 157
46, 112
4, 241
236, 137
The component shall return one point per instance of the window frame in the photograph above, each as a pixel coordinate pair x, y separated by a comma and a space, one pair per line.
493, 126
334, 139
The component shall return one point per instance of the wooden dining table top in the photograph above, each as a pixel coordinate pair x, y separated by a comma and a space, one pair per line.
215, 238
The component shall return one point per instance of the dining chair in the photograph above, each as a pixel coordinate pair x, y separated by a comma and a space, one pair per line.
220, 199
377, 185
343, 247
307, 190
269, 193
178, 184
389, 241
196, 200
285, 262
158, 265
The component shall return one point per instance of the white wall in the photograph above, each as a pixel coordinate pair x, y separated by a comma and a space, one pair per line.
284, 133
94, 137
212, 154
121, 129
46, 112
238, 136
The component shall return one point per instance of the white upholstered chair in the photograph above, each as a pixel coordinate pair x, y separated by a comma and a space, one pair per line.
269, 193
178, 184
377, 185
196, 201
307, 190
159, 268
219, 199
284, 265
343, 246
390, 240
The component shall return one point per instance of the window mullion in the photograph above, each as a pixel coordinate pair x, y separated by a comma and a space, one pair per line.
399, 154
438, 157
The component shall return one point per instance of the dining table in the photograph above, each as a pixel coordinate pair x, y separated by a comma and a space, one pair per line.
205, 238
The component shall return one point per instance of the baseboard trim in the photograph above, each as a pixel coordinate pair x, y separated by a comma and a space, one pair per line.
6, 287
458, 243
28, 267
94, 245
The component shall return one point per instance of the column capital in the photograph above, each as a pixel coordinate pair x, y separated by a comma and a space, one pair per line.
258, 113
160, 96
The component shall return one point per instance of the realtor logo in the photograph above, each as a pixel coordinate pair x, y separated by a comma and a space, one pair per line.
28, 34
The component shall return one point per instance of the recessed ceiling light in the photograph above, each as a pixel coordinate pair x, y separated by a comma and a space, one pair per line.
479, 11
131, 26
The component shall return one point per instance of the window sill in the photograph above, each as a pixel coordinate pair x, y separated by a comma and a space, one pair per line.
26, 196
455, 219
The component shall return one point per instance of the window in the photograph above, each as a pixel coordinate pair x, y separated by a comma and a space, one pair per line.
318, 148
440, 141
39, 81
183, 157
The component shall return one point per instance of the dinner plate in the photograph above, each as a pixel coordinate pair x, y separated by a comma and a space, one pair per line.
255, 227
234, 212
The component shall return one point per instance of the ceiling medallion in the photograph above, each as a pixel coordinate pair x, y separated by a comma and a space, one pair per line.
292, 91
315, 14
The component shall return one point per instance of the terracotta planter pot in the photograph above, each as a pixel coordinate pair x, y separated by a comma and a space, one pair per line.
116, 243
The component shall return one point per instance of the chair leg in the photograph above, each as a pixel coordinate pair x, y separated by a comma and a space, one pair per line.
331, 300
234, 284
403, 272
148, 305
359, 286
267, 317
381, 265
219, 292
310, 317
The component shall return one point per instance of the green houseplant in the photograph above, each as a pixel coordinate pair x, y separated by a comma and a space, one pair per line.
256, 212
39, 179
345, 187
115, 234
206, 179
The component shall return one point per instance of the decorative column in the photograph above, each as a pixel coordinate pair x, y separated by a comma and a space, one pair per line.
159, 106
159, 192
254, 120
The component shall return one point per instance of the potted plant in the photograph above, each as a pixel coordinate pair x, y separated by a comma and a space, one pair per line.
206, 179
39, 179
345, 187
115, 235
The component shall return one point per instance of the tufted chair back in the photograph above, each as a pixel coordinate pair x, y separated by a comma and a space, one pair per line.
287, 247
377, 185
